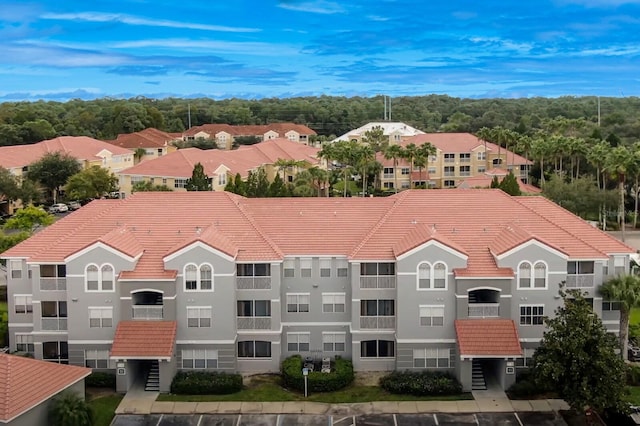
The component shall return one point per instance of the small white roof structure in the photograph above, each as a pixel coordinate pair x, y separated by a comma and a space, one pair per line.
389, 128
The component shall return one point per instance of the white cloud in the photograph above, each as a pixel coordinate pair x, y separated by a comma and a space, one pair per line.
598, 3
251, 48
320, 6
134, 20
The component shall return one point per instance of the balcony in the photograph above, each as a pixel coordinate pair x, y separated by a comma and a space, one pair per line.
377, 323
53, 284
253, 283
148, 312
580, 281
54, 324
484, 310
381, 282
388, 175
253, 323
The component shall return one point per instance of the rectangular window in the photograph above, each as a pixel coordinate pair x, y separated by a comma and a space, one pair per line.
24, 343
253, 270
100, 317
254, 308
580, 268
388, 172
53, 271
56, 352
431, 171
54, 309
482, 155
377, 349
610, 306
298, 342
449, 171
618, 265
325, 267
405, 171
465, 157
377, 308
377, 269
387, 185
482, 169
432, 358
342, 266
449, 183
15, 266
525, 361
160, 152
431, 316
465, 170
222, 179
305, 267
531, 314
333, 302
254, 349
333, 342
449, 158
199, 316
96, 358
23, 304
199, 358
179, 183
289, 266
298, 302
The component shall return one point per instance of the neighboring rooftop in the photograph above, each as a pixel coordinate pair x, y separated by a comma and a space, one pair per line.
147, 138
250, 130
144, 339
484, 181
487, 337
388, 128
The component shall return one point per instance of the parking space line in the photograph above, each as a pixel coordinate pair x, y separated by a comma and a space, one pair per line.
435, 419
278, 420
518, 418
476, 419
354, 420
239, 417
159, 420
395, 421
199, 420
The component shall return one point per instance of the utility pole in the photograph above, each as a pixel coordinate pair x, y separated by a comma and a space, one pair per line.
389, 108
598, 111
189, 113
384, 100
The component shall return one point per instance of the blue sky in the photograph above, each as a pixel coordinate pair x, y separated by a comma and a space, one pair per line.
61, 49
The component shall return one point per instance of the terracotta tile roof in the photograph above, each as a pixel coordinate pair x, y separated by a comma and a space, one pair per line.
488, 337
123, 240
513, 236
420, 234
26, 382
79, 147
144, 339
484, 181
147, 138
180, 163
250, 130
212, 237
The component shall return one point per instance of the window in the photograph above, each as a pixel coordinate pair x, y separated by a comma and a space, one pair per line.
23, 304
449, 183
160, 152
449, 158
254, 349
198, 278
343, 267
439, 275
531, 314
465, 170
325, 268
298, 302
618, 265
253, 270
254, 308
524, 275
432, 358
179, 183
387, 185
497, 161
431, 316
298, 342
333, 302
424, 276
482, 155
431, 171
388, 172
101, 317
16, 268
377, 269
580, 274
199, 358
136, 179
525, 361
433, 158
24, 343
222, 179
54, 309
99, 278
305, 267
377, 349
404, 171
55, 352
53, 271
432, 277
465, 157
333, 342
540, 275
482, 169
377, 308
199, 316
449, 171
95, 358
610, 306
289, 267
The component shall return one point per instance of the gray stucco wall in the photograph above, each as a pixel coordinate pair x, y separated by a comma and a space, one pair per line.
39, 414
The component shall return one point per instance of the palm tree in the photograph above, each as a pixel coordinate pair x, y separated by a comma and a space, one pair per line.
319, 178
485, 134
70, 409
394, 152
624, 289
291, 165
423, 153
619, 164
597, 155
541, 149
138, 154
365, 155
410, 153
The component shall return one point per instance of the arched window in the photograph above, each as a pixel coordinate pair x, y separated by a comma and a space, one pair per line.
439, 275
540, 275
191, 277
206, 277
198, 277
99, 278
424, 276
106, 277
524, 275
93, 278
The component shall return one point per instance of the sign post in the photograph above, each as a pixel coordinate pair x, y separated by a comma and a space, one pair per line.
305, 373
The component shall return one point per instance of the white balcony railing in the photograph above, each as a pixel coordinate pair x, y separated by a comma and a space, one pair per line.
580, 281
253, 283
484, 310
377, 322
53, 284
253, 323
378, 282
54, 324
148, 312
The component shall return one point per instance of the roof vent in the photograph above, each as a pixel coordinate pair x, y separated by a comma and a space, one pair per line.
198, 230
414, 222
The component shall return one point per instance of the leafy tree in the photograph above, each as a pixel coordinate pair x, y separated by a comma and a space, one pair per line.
147, 186
198, 181
495, 182
29, 218
8, 241
70, 409
245, 140
53, 170
278, 188
30, 192
577, 358
257, 184
138, 154
375, 138
9, 186
624, 289
510, 185
93, 182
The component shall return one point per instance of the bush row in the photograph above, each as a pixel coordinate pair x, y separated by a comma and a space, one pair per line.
526, 387
341, 375
206, 383
421, 383
101, 380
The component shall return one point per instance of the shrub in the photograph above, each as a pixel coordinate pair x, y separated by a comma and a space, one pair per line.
526, 387
633, 375
206, 383
100, 380
421, 383
341, 375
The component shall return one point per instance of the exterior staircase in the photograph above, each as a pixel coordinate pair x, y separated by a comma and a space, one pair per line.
152, 383
477, 376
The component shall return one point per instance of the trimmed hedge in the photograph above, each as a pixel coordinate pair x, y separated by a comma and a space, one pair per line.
525, 387
100, 380
421, 383
206, 383
341, 375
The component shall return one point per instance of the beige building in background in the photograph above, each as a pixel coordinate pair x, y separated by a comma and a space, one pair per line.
154, 142
395, 131
226, 134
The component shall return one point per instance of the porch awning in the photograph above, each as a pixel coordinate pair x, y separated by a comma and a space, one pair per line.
144, 340
488, 338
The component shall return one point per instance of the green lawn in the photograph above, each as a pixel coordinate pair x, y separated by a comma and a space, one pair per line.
634, 318
634, 395
104, 409
3, 308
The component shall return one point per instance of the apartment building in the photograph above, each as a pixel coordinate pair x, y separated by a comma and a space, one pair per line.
396, 132
449, 280
154, 143
225, 134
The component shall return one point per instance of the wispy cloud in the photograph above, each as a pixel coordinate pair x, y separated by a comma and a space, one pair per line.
320, 6
135, 20
245, 48
599, 3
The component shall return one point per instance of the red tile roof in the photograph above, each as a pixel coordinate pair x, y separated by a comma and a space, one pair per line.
488, 337
26, 382
484, 181
420, 235
250, 130
144, 339
147, 138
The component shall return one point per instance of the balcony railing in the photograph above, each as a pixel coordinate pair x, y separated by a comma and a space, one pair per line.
388, 175
253, 323
53, 284
449, 174
253, 283
377, 322
484, 310
378, 282
580, 281
148, 312
53, 324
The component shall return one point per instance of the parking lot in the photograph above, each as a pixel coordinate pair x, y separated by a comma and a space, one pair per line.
440, 419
